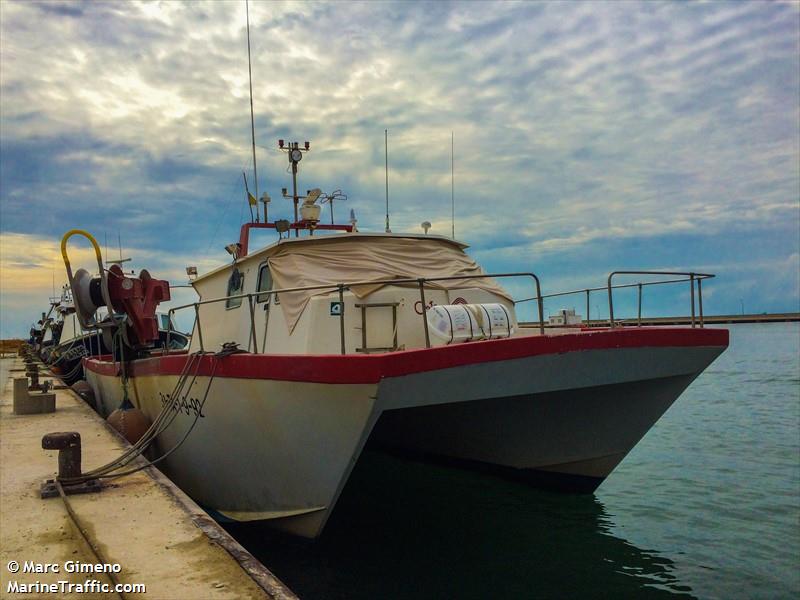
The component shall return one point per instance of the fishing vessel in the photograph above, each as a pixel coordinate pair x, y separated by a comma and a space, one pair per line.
44, 334
307, 350
74, 342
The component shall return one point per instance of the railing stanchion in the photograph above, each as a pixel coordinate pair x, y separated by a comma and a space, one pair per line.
691, 284
639, 323
364, 326
197, 322
421, 282
610, 303
700, 299
252, 323
341, 316
169, 331
587, 306
540, 303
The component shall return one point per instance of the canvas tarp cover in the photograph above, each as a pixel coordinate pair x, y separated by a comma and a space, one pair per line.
369, 259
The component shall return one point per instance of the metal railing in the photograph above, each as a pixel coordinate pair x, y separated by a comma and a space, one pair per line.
685, 276
692, 277
340, 288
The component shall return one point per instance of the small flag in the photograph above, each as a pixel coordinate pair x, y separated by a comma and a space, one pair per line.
251, 198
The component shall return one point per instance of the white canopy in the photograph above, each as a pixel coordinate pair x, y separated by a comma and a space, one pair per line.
345, 259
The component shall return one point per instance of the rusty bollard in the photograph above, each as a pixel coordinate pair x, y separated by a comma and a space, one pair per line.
68, 444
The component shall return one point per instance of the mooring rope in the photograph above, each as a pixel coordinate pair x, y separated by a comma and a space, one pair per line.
157, 427
93, 547
150, 463
107, 471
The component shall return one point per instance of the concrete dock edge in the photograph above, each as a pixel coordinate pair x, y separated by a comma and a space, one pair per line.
144, 522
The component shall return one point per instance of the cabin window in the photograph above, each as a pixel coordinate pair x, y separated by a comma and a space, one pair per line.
264, 284
235, 287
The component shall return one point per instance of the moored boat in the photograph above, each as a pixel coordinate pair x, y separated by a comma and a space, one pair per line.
307, 350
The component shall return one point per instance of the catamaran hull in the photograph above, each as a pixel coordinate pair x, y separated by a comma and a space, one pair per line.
258, 449
263, 447
567, 440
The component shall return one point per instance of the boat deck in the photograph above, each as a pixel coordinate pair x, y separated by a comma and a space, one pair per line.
143, 522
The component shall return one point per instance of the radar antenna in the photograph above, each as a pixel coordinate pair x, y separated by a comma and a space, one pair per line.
329, 198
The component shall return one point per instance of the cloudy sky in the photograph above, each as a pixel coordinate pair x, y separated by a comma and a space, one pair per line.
588, 136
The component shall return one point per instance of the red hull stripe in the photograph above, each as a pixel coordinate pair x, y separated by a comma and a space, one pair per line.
370, 368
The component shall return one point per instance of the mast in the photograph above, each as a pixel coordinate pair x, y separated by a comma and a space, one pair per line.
386, 153
295, 153
252, 118
452, 188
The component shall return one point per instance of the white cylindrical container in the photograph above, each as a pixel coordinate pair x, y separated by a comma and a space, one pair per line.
453, 323
493, 319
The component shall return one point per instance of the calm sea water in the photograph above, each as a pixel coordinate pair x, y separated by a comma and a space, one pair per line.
707, 505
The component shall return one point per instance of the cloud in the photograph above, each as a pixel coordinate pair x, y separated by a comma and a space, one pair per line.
576, 124
32, 271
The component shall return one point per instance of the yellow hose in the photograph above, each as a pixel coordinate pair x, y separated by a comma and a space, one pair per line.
85, 234
85, 321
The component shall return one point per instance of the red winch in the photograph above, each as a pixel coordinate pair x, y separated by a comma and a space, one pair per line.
131, 301
138, 298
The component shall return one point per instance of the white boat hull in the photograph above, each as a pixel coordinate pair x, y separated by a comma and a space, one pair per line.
266, 448
262, 449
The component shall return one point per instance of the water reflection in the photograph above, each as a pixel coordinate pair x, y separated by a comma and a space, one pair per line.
405, 529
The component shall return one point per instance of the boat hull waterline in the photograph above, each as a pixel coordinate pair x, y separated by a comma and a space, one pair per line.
278, 435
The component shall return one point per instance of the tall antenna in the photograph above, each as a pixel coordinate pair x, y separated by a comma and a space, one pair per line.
252, 118
452, 188
120, 260
386, 152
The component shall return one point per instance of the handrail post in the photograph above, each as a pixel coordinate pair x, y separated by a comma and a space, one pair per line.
364, 326
587, 307
270, 302
700, 299
421, 282
610, 303
540, 303
169, 331
691, 284
639, 324
252, 323
341, 316
197, 322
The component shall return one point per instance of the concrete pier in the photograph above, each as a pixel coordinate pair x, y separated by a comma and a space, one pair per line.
685, 320
143, 523
709, 319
